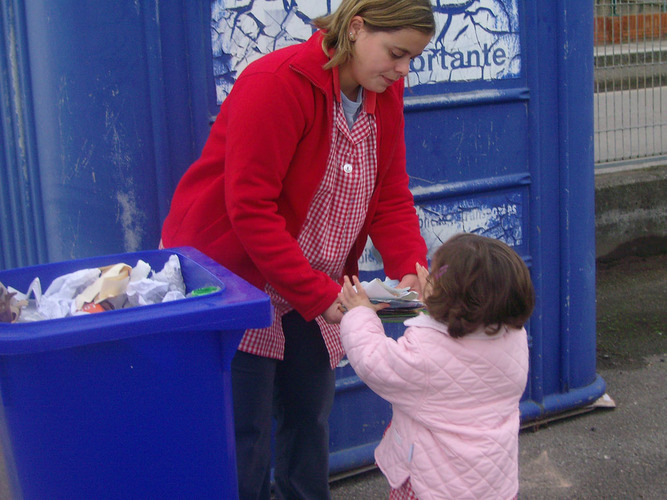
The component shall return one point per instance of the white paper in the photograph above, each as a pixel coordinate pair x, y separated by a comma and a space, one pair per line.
155, 289
171, 273
386, 290
56, 302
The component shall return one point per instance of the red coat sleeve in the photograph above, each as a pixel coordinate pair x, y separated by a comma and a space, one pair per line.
269, 125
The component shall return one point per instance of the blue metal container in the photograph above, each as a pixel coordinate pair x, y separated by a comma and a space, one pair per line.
132, 403
504, 149
104, 109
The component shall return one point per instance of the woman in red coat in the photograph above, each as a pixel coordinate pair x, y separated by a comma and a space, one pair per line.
304, 162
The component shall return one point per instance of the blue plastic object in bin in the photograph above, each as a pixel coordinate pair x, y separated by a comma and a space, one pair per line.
133, 403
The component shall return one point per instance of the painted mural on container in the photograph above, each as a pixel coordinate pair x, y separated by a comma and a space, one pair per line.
475, 39
495, 215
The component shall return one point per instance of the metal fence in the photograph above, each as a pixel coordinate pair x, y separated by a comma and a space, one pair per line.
630, 82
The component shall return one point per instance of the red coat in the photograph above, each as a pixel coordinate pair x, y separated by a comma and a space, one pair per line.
244, 201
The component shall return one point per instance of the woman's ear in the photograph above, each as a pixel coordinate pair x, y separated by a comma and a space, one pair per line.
356, 26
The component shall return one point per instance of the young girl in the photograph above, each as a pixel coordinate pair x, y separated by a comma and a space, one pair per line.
455, 377
305, 160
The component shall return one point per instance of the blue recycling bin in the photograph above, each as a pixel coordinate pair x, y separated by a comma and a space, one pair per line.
132, 403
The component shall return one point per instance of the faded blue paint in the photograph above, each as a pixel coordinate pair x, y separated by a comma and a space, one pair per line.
496, 215
475, 39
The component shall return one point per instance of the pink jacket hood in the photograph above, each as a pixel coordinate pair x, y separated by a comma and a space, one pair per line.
455, 424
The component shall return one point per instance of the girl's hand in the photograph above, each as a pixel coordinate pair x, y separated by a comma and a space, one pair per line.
351, 298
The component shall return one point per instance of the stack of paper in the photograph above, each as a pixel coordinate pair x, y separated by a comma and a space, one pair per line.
401, 301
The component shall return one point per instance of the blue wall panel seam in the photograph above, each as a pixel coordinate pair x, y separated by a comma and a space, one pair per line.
152, 32
26, 237
536, 381
460, 99
486, 184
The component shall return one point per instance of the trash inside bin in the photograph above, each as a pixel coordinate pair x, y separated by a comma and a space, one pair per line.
131, 403
95, 290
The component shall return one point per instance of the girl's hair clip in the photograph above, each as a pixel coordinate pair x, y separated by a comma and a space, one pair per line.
440, 272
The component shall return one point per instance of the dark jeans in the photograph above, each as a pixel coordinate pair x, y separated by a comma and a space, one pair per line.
298, 392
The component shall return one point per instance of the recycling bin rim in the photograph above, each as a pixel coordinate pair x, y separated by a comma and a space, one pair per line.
238, 305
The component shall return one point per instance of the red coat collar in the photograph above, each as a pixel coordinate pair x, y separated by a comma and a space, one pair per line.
310, 62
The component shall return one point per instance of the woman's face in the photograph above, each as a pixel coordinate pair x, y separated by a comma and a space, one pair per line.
379, 58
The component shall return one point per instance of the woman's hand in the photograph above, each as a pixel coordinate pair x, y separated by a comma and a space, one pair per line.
422, 276
412, 282
350, 298
334, 313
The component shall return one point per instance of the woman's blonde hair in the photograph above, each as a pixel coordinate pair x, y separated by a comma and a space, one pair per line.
378, 15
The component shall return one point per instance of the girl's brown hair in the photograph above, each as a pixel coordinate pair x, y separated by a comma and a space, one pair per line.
378, 15
476, 282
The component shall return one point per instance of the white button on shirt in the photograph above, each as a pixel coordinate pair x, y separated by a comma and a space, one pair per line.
336, 215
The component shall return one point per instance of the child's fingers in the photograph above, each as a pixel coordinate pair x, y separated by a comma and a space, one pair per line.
347, 294
380, 305
341, 296
360, 289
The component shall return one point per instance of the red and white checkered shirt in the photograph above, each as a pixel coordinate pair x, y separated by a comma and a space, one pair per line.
404, 492
335, 218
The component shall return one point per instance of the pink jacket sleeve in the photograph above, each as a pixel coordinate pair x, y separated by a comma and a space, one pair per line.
393, 369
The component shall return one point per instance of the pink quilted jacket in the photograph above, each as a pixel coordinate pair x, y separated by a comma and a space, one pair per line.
455, 425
